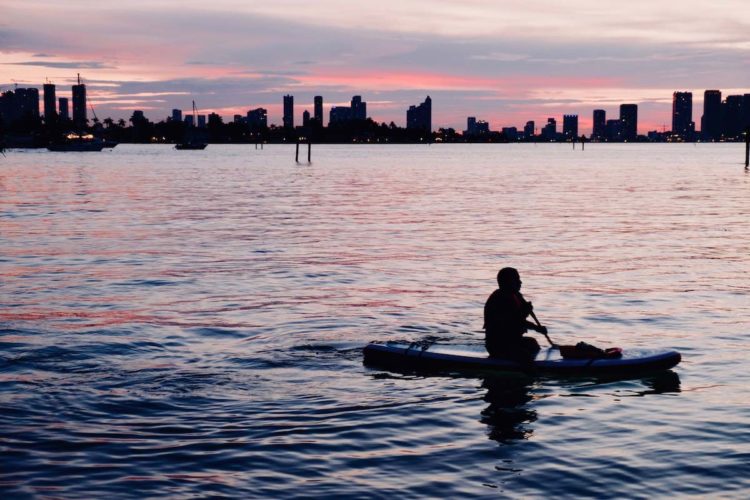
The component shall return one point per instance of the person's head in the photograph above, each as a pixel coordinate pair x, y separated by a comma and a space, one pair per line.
508, 279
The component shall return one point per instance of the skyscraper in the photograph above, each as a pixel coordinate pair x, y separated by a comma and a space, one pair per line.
682, 115
711, 119
732, 117
50, 104
549, 131
318, 110
288, 119
359, 108
613, 130
471, 125
629, 119
257, 119
599, 131
570, 127
339, 114
176, 115
528, 130
63, 106
305, 118
420, 117
79, 104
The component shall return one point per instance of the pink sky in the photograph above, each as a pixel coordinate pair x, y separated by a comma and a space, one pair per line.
505, 62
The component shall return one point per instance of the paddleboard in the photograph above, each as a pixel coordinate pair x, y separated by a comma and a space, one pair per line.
452, 357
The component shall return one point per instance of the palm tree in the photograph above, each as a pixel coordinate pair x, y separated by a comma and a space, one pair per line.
108, 122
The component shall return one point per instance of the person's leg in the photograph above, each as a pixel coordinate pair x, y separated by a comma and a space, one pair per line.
530, 346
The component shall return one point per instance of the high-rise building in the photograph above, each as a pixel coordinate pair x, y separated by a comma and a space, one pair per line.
682, 115
305, 118
201, 121
629, 122
420, 117
339, 114
359, 108
80, 116
50, 104
190, 120
476, 127
613, 130
570, 127
510, 133
599, 131
63, 109
471, 124
257, 119
549, 132
20, 107
176, 115
318, 110
711, 119
288, 119
732, 117
528, 129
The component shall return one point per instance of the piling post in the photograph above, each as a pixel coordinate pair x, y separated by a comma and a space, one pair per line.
583, 143
296, 154
309, 151
747, 147
574, 142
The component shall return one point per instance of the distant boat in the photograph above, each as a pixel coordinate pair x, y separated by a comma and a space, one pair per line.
191, 142
79, 142
191, 145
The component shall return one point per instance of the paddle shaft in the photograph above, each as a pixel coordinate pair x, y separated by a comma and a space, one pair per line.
540, 325
537, 322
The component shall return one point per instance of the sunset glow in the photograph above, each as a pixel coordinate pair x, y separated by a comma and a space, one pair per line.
505, 63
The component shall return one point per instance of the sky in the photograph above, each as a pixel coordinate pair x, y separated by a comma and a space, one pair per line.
502, 61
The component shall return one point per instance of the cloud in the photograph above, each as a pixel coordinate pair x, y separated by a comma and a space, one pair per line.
510, 60
67, 65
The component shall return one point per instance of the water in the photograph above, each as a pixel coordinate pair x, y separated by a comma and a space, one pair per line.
190, 324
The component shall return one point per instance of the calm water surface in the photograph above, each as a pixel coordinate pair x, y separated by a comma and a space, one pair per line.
190, 324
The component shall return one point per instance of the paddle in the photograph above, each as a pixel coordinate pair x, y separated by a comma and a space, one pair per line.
554, 346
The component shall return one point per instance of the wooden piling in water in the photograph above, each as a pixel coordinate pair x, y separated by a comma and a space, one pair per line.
747, 147
583, 143
309, 151
296, 154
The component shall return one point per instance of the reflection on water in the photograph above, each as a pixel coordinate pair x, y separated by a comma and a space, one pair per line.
662, 383
511, 409
174, 327
508, 414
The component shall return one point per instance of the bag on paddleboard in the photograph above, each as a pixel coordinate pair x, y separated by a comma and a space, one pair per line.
582, 350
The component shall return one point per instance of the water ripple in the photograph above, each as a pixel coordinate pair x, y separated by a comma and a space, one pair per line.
194, 329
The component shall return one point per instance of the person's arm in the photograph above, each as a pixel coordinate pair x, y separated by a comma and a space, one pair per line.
537, 328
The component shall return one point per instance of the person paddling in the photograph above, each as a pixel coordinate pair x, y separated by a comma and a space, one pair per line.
505, 322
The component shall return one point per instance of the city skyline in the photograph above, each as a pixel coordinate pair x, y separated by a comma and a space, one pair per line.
507, 63
721, 119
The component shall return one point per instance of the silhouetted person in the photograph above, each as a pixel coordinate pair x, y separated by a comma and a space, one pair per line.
505, 321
